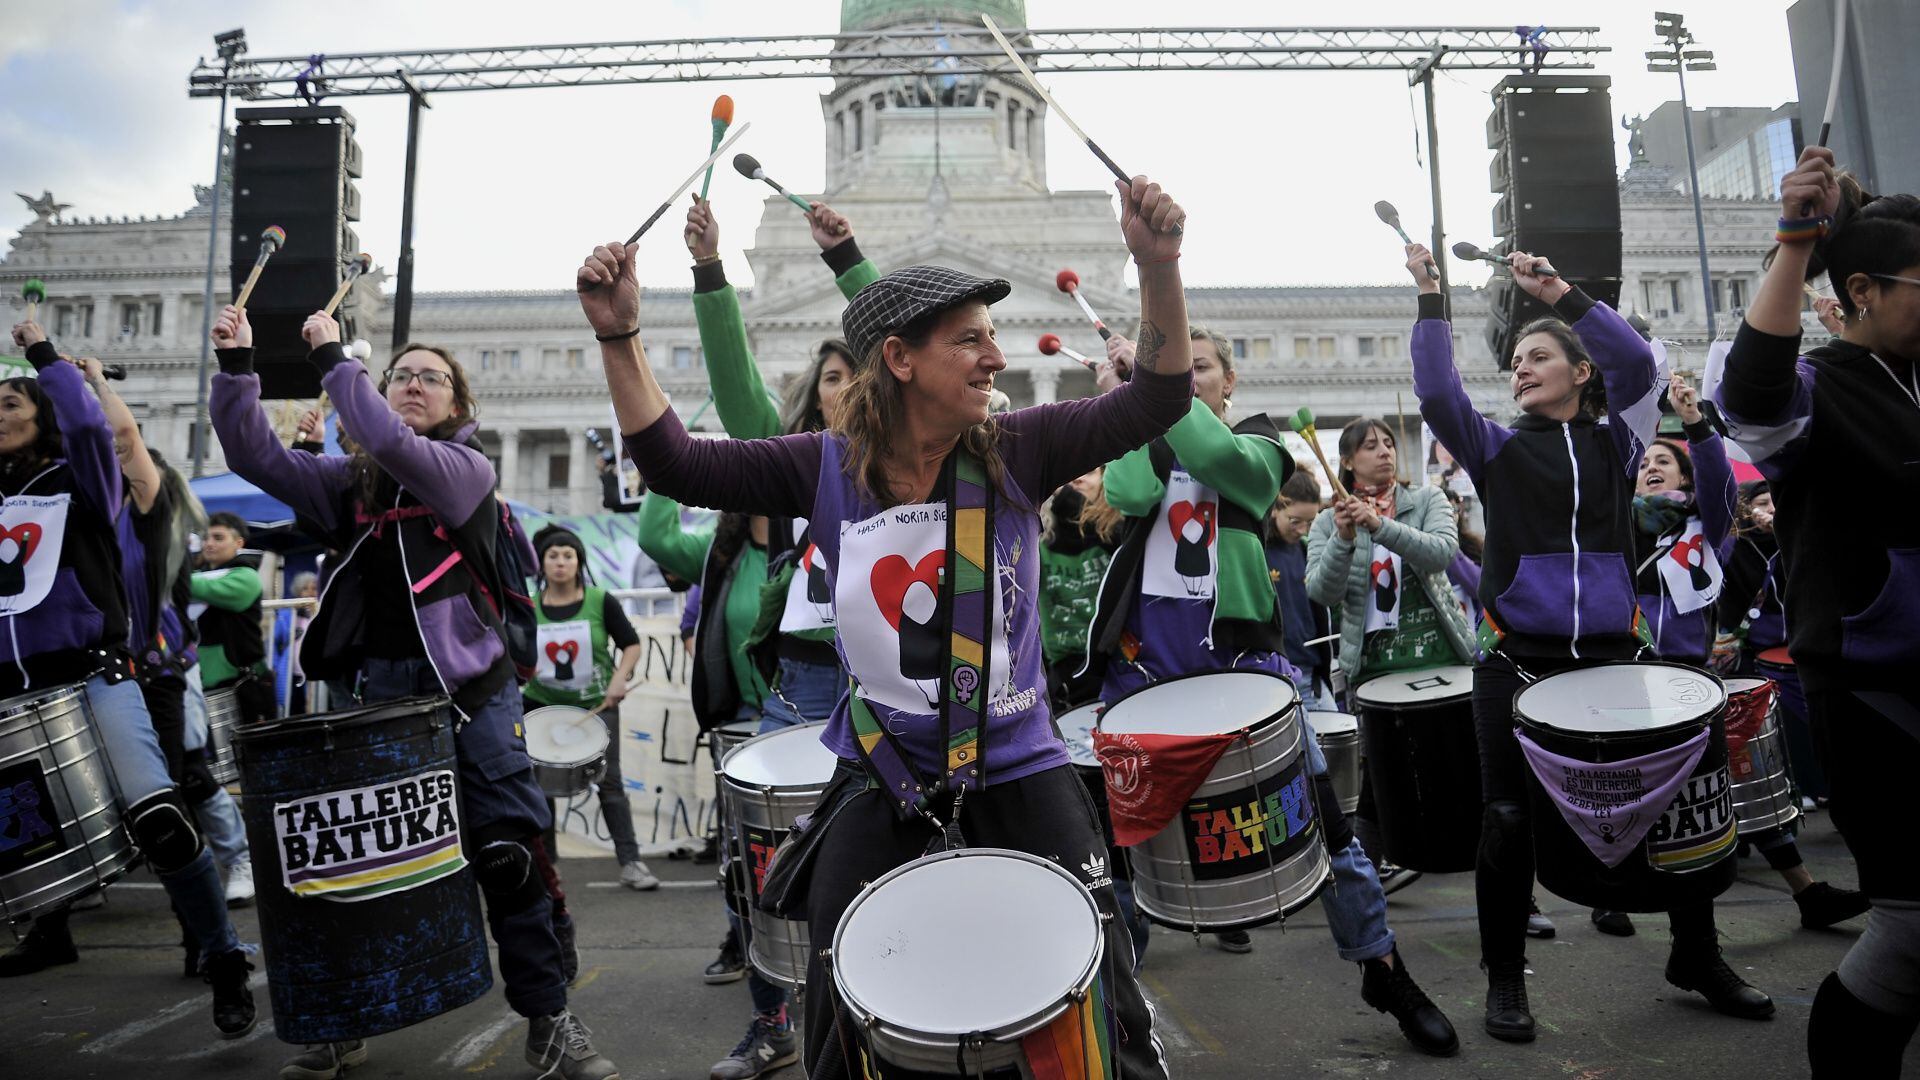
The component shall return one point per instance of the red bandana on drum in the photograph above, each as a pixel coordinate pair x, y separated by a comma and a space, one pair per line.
1746, 717
1151, 777
1612, 806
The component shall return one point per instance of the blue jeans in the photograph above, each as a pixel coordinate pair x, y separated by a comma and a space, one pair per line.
140, 769
803, 693
500, 801
1355, 904
218, 814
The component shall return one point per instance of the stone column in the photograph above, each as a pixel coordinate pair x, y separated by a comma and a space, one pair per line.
1046, 384
510, 462
581, 482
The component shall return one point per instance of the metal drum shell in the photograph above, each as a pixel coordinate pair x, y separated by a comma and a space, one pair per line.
1764, 801
1164, 886
942, 1054
1423, 759
1340, 745
223, 716
55, 730
564, 779
779, 948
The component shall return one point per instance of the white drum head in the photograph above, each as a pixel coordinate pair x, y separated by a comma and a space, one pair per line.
1736, 687
929, 947
1621, 698
740, 729
790, 757
1326, 724
1424, 687
563, 735
1076, 727
1211, 704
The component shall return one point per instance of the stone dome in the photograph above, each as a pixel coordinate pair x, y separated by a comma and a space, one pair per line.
873, 14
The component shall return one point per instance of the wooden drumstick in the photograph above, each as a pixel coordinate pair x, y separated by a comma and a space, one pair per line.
1302, 424
271, 238
361, 263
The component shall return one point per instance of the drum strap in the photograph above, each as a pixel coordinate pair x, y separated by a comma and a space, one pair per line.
966, 679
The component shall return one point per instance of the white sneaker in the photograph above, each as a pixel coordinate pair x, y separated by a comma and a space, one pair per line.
240, 883
636, 876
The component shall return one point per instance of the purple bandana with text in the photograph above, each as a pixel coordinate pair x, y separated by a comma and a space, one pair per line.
1612, 806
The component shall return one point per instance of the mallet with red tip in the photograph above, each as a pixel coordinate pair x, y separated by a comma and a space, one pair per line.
1069, 282
1050, 345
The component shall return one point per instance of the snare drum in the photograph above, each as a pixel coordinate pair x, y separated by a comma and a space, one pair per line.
1339, 737
1247, 847
223, 715
568, 747
59, 809
767, 782
1599, 715
1076, 730
724, 738
369, 913
1757, 758
933, 991
1424, 761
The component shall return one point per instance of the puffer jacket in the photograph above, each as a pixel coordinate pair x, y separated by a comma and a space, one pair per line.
1423, 533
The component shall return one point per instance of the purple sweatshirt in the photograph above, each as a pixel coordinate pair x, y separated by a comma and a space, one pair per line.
1042, 447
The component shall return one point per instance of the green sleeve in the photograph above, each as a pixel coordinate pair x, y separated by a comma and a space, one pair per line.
1131, 486
857, 277
1245, 469
680, 551
236, 588
739, 394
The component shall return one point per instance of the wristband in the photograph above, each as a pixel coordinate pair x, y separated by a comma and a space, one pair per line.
1162, 259
635, 332
704, 260
1802, 230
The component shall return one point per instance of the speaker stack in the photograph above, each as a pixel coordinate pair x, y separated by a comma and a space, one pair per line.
1552, 138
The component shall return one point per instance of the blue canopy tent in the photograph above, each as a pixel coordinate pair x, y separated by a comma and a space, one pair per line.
228, 492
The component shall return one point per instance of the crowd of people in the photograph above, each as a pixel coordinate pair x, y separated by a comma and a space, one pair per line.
1142, 534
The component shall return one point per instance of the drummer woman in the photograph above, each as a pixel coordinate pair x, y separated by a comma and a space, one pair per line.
1836, 431
581, 629
67, 622
1556, 584
1079, 530
409, 610
1199, 597
915, 449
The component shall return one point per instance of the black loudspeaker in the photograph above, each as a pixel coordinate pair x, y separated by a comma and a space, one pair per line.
295, 168
1553, 173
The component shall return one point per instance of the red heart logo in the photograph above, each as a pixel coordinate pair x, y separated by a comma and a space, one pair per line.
1182, 512
1694, 548
26, 535
893, 576
555, 648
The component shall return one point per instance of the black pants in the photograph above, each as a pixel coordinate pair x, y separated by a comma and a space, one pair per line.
1048, 814
1503, 874
167, 705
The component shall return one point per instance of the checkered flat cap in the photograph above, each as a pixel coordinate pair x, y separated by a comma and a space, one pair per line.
907, 294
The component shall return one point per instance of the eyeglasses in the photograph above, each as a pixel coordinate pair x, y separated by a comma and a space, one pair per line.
1896, 277
401, 377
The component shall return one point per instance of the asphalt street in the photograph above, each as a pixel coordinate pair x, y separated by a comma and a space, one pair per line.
1292, 1007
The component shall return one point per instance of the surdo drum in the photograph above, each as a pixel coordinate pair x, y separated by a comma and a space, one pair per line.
1597, 717
1339, 737
768, 781
61, 833
568, 747
941, 975
724, 738
1246, 848
223, 715
1424, 761
1763, 798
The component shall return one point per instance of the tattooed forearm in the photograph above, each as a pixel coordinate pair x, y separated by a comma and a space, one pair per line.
1147, 351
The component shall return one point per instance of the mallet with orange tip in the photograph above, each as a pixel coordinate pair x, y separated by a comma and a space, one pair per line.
722, 119
271, 239
361, 263
1302, 424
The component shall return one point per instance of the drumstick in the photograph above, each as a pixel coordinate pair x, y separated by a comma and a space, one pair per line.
1385, 211
1833, 77
34, 291
1050, 346
1399, 451
1069, 282
697, 173
722, 119
361, 263
1302, 423
1007, 47
270, 240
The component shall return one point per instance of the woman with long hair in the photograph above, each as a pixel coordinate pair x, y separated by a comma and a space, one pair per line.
1836, 431
63, 598
913, 454
1556, 585
1079, 529
409, 610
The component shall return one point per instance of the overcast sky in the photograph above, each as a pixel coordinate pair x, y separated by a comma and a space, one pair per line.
1278, 170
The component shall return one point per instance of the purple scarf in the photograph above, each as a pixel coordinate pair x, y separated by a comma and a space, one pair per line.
1612, 806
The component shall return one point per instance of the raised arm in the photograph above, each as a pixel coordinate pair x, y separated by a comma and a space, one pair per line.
309, 483
85, 438
142, 476
1471, 438
666, 540
1130, 484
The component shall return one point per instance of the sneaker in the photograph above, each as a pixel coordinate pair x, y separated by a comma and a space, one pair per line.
569, 951
636, 876
1234, 941
1701, 968
563, 1046
1538, 925
769, 1045
1394, 878
240, 883
233, 1011
709, 850
1615, 923
1822, 905
730, 965
1509, 1018
325, 1061
47, 945
1391, 989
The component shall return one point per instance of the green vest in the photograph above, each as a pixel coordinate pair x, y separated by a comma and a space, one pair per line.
572, 662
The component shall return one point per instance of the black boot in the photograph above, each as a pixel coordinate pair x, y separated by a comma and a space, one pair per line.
730, 965
1616, 923
190, 968
1698, 966
1392, 990
46, 945
1509, 1019
1848, 1038
233, 1011
1822, 905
